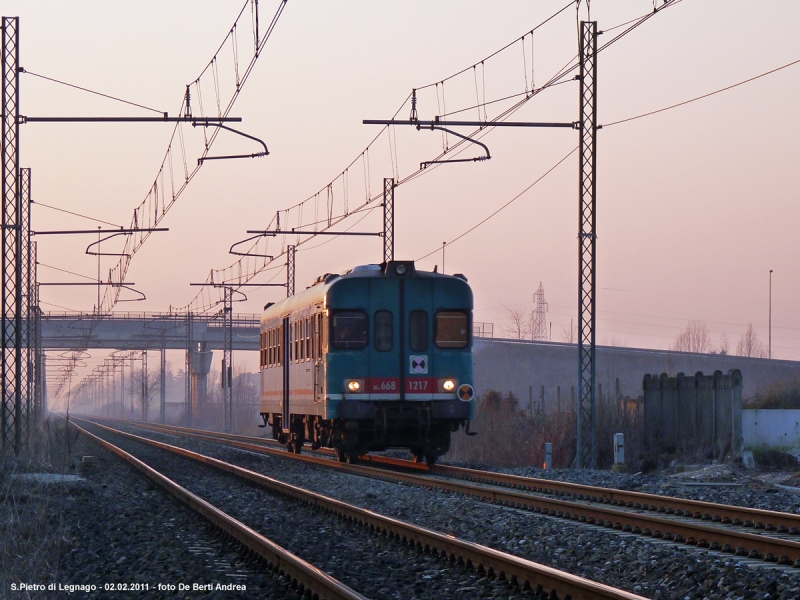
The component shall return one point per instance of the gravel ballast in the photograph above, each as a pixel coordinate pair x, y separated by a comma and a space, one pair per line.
371, 564
649, 567
118, 529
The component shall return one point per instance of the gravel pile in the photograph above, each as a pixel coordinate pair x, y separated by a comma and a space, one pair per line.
651, 568
117, 528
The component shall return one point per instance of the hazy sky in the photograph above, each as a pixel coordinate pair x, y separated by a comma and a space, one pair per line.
695, 205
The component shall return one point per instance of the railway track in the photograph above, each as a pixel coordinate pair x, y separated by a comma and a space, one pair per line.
303, 575
520, 573
703, 524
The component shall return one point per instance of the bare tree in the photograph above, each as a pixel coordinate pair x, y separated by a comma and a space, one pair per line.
153, 387
695, 338
571, 335
724, 344
616, 342
519, 326
750, 345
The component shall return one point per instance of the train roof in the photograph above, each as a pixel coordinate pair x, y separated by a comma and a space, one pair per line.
314, 295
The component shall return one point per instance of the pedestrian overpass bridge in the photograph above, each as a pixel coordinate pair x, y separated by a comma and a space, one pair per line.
146, 331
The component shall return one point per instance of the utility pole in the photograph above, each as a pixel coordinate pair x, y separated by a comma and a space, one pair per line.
539, 316
11, 371
227, 357
388, 219
290, 269
145, 391
163, 395
122, 388
770, 314
587, 239
26, 324
188, 372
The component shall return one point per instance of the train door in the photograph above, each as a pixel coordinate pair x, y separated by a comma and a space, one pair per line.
417, 362
319, 357
386, 339
286, 355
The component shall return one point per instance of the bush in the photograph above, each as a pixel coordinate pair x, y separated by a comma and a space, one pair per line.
770, 458
779, 394
507, 436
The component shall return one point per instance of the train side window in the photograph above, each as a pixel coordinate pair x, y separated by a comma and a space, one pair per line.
306, 345
271, 356
302, 338
383, 338
452, 329
279, 357
323, 332
418, 331
301, 344
309, 353
349, 330
294, 341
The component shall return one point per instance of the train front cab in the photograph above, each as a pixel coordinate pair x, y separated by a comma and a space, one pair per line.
399, 361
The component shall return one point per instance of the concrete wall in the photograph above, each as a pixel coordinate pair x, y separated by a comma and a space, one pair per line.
698, 415
518, 365
771, 428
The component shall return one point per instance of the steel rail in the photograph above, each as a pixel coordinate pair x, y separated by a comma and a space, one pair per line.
728, 514
306, 575
517, 571
716, 538
758, 518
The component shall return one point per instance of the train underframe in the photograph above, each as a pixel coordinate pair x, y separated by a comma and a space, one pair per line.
422, 427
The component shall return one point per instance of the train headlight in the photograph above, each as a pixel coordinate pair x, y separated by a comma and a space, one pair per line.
465, 392
447, 385
354, 385
400, 269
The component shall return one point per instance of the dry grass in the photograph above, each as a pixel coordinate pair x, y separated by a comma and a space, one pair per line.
509, 437
779, 394
245, 418
31, 532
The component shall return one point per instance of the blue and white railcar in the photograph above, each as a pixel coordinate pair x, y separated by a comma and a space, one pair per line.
377, 358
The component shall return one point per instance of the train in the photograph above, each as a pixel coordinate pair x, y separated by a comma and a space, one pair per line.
377, 358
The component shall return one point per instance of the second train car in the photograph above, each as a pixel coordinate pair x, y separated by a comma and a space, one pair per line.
377, 358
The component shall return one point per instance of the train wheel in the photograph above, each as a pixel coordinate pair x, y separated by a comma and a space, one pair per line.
341, 455
294, 446
431, 459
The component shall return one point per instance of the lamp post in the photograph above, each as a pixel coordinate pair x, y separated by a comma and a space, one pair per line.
770, 314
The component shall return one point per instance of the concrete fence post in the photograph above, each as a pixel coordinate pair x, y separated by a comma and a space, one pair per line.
548, 456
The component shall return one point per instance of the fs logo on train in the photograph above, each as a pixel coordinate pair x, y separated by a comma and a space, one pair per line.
419, 364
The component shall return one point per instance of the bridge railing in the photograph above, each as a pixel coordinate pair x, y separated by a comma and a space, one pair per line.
239, 320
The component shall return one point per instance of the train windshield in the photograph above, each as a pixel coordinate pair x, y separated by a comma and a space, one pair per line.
452, 329
349, 330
